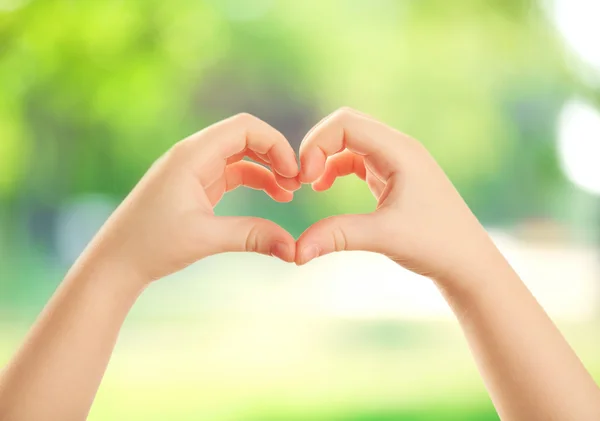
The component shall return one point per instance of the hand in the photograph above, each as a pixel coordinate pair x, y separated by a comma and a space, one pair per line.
167, 222
421, 221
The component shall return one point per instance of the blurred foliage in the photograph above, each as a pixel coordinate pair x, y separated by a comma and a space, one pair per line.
92, 92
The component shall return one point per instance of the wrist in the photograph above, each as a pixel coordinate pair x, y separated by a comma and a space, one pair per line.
109, 271
478, 267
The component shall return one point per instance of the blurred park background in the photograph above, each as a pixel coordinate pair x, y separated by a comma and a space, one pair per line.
505, 94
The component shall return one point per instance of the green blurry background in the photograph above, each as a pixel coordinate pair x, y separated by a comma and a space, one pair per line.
503, 93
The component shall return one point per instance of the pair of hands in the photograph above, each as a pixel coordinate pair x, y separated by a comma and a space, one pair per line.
421, 222
167, 222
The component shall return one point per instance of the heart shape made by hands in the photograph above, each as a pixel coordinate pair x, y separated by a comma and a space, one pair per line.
419, 214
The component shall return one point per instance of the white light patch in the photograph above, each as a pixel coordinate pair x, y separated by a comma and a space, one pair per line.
577, 21
579, 145
367, 286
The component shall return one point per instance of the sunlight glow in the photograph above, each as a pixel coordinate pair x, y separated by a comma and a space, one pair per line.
577, 21
579, 144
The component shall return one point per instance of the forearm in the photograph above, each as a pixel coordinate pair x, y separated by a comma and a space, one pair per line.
528, 367
56, 373
166, 223
422, 223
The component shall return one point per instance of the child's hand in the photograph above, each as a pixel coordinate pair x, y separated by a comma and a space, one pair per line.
421, 221
167, 221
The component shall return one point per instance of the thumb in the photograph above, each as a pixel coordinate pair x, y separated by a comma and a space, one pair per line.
248, 234
339, 233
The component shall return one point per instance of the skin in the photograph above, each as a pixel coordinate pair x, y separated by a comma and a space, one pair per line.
421, 222
166, 223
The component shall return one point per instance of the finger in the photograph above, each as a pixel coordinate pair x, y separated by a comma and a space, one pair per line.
348, 129
332, 173
312, 129
375, 185
250, 154
339, 233
346, 163
340, 165
244, 131
248, 234
289, 184
248, 174
256, 177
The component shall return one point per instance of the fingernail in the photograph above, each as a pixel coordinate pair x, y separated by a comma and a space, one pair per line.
309, 253
304, 172
295, 183
280, 250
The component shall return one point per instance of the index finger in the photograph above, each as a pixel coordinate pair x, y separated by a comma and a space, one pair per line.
347, 129
245, 132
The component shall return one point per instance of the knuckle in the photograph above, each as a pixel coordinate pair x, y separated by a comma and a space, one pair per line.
252, 239
243, 118
344, 113
340, 242
179, 150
